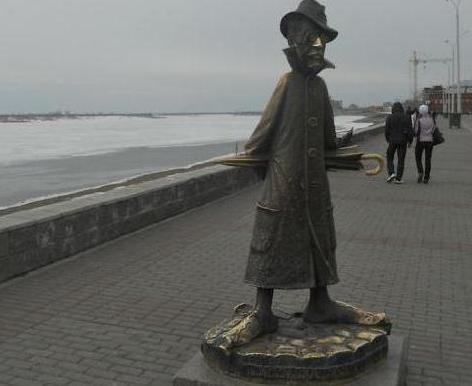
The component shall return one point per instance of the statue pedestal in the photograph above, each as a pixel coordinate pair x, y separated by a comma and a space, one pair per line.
387, 372
298, 353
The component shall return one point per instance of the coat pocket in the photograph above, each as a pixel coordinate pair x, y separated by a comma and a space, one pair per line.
265, 228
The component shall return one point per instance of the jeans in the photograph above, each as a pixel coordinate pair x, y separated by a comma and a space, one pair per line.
427, 147
400, 149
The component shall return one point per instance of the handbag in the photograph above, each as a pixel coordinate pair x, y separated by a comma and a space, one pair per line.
438, 137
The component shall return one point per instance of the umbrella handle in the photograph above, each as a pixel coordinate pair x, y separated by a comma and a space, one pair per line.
380, 163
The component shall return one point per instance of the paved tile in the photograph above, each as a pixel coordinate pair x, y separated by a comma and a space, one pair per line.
132, 311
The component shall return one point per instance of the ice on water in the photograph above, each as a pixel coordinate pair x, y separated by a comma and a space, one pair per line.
37, 140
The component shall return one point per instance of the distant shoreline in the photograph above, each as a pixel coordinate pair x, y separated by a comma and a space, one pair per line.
22, 118
19, 118
30, 117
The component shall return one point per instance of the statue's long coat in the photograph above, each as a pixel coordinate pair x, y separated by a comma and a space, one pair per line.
293, 244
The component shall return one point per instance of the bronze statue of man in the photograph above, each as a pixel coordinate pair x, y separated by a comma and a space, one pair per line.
294, 242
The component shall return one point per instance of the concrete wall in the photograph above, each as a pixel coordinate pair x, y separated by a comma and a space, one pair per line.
33, 238
374, 130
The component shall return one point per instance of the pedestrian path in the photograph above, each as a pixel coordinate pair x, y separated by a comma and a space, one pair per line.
132, 311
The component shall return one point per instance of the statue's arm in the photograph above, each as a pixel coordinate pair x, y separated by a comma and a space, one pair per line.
330, 128
261, 139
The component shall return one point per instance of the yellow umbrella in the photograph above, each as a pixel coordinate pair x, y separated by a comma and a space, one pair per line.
343, 158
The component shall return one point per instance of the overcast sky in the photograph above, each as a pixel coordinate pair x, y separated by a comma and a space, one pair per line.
208, 55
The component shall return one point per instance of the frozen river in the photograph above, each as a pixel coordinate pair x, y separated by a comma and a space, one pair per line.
42, 158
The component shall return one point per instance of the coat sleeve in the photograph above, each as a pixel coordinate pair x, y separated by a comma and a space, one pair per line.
330, 127
261, 139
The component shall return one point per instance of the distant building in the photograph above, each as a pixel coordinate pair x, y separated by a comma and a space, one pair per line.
466, 87
441, 98
353, 106
434, 97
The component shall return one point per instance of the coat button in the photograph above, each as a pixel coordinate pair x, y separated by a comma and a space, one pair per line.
314, 184
313, 122
312, 152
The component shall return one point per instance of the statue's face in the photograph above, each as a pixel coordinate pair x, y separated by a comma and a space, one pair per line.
309, 42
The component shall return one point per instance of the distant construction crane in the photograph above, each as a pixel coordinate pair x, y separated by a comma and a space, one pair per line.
416, 61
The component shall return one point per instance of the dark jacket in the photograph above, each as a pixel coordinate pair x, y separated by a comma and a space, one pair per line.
398, 128
294, 243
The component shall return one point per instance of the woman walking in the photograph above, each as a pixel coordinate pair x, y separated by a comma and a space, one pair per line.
424, 130
398, 133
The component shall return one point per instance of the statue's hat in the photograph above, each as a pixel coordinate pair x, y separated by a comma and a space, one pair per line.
315, 12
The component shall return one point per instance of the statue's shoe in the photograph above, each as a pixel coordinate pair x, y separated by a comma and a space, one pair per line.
247, 324
367, 318
339, 312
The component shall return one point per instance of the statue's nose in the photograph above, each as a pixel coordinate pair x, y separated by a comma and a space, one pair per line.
318, 43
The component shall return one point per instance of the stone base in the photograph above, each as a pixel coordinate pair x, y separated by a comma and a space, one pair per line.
296, 351
388, 372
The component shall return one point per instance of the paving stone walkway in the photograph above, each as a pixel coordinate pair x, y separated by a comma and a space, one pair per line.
132, 311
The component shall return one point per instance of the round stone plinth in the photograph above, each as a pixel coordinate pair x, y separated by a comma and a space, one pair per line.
298, 351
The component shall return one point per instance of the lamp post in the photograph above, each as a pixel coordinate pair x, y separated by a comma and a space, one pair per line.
450, 99
446, 109
457, 4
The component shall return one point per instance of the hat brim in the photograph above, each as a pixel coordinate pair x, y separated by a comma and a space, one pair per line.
331, 33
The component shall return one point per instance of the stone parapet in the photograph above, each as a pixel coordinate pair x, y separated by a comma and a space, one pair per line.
34, 238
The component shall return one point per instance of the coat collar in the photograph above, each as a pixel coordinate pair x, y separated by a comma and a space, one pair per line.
294, 62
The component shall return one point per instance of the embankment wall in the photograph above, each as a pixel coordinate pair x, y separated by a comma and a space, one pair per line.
34, 238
